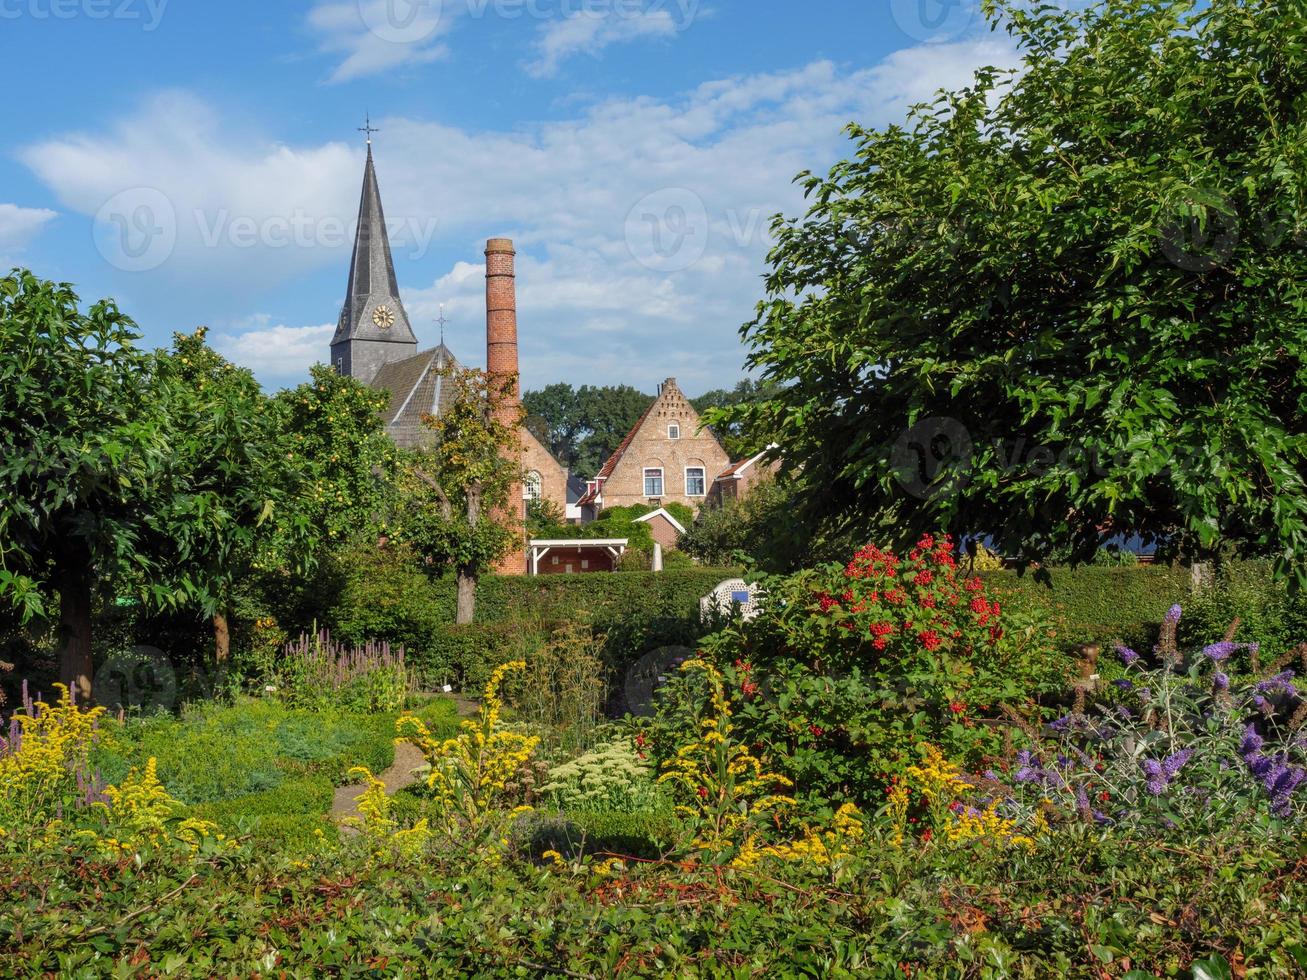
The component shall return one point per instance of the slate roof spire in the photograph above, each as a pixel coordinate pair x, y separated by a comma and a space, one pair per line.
373, 328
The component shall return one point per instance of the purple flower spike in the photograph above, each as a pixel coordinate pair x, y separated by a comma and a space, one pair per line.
1127, 655
1157, 786
1252, 742
1219, 651
1174, 763
1173, 614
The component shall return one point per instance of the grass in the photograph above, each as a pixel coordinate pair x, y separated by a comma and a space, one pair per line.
258, 768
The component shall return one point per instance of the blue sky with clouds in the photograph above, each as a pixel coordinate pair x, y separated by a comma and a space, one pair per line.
199, 160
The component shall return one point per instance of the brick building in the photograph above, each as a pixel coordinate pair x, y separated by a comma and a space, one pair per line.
739, 479
665, 458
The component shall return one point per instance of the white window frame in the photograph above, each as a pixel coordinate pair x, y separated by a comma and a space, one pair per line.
674, 431
662, 482
703, 481
533, 486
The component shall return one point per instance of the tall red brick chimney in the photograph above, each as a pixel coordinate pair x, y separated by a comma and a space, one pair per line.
502, 367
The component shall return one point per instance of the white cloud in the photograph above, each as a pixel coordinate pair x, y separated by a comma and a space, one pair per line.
641, 223
18, 226
375, 36
589, 32
223, 204
276, 352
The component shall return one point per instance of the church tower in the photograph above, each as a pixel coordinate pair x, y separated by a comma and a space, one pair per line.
373, 328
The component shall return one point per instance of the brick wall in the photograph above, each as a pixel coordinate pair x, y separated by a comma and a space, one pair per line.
653, 447
553, 478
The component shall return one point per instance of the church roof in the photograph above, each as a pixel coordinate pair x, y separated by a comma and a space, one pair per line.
372, 280
418, 386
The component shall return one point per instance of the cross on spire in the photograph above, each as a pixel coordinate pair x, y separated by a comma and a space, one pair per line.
442, 321
368, 129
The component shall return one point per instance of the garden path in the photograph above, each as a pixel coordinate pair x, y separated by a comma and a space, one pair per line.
398, 776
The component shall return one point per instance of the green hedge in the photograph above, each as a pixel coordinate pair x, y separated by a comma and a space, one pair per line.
1095, 603
381, 595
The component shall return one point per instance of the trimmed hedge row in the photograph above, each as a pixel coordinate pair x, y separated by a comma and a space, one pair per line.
1095, 603
381, 596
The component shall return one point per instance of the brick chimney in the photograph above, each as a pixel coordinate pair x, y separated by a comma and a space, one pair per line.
502, 367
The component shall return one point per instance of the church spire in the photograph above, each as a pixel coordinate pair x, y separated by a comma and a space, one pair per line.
373, 329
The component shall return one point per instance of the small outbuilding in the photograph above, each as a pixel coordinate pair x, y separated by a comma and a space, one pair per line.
565, 556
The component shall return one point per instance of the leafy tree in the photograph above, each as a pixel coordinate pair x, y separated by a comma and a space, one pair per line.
553, 415
83, 453
758, 530
230, 480
730, 432
336, 438
1066, 303
454, 497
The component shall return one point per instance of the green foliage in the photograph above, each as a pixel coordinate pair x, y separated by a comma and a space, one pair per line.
583, 426
229, 504
1095, 604
258, 766
317, 672
759, 530
1081, 904
383, 597
1269, 612
561, 692
847, 668
335, 432
82, 445
731, 434
1093, 265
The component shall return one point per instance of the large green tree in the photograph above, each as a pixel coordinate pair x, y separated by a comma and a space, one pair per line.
345, 462
729, 429
1067, 302
231, 474
83, 453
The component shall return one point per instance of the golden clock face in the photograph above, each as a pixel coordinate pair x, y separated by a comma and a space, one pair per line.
383, 318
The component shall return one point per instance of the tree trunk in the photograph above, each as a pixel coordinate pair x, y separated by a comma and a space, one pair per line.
467, 595
221, 637
75, 665
468, 573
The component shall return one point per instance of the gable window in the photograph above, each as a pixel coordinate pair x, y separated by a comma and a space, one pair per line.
532, 485
695, 483
653, 482
674, 431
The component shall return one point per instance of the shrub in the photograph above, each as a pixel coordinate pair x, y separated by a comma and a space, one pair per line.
847, 667
45, 764
1093, 604
1179, 746
473, 776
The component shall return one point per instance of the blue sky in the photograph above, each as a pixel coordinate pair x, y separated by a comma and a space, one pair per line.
199, 160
